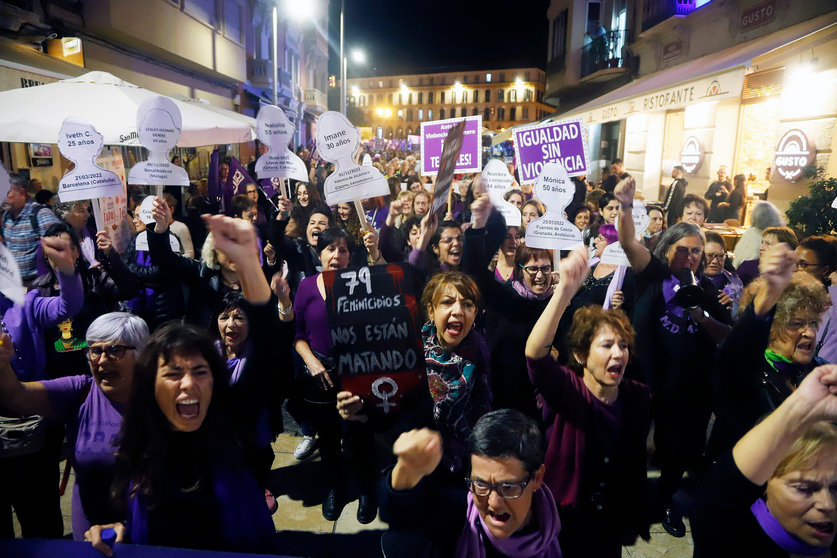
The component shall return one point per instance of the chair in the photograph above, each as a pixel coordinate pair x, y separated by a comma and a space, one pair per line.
732, 223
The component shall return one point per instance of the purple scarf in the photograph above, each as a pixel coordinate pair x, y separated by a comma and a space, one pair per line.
541, 543
784, 540
521, 288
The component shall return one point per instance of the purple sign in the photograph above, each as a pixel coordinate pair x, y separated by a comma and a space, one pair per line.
433, 137
560, 142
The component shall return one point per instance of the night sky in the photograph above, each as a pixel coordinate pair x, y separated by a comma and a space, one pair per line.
401, 37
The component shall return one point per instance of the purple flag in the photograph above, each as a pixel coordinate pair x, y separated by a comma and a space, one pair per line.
270, 186
236, 184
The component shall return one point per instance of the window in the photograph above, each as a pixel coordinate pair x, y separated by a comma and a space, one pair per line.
421, 81
233, 16
421, 114
512, 113
512, 95
399, 99
409, 115
453, 97
441, 114
486, 114
420, 95
389, 98
559, 36
430, 97
499, 95
476, 95
463, 111
400, 114
527, 95
442, 80
430, 114
525, 113
501, 113
202, 10
409, 98
502, 77
431, 80
441, 96
487, 78
488, 95
526, 75
391, 83
380, 84
475, 112
477, 78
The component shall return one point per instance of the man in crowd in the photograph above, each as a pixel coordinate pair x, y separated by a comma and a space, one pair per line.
674, 196
23, 223
718, 193
617, 173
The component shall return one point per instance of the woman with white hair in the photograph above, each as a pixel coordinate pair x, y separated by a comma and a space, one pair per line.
764, 215
92, 408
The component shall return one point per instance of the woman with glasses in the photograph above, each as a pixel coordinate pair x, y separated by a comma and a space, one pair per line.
749, 269
818, 257
771, 348
675, 345
728, 284
507, 510
92, 408
597, 421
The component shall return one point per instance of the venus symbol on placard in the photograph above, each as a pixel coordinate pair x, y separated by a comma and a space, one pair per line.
384, 395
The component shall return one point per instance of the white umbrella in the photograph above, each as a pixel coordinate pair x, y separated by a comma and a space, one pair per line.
35, 114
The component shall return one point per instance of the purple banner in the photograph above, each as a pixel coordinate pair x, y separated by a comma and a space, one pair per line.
236, 183
433, 137
560, 142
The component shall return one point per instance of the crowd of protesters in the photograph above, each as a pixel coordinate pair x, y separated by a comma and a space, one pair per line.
165, 370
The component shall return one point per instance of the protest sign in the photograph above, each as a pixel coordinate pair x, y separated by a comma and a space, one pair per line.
275, 131
375, 328
553, 231
434, 137
141, 242
613, 254
337, 142
367, 160
79, 142
11, 284
562, 142
641, 218
496, 180
237, 180
158, 126
270, 187
145, 210
114, 209
447, 166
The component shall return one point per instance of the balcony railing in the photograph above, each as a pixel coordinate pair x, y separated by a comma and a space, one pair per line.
316, 98
657, 11
260, 72
603, 52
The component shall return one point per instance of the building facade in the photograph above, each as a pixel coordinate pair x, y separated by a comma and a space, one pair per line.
395, 106
214, 51
749, 84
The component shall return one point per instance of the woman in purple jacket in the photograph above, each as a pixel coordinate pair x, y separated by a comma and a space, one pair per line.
597, 422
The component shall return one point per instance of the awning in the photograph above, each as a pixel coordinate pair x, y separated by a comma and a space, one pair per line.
506, 135
722, 77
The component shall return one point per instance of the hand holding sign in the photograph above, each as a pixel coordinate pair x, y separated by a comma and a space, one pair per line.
553, 231
275, 131
158, 125
79, 142
496, 180
337, 142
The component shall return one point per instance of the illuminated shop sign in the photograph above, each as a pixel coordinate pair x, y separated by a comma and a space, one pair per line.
691, 157
794, 152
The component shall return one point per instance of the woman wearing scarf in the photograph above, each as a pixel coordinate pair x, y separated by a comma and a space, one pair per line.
597, 422
771, 348
508, 511
456, 360
773, 494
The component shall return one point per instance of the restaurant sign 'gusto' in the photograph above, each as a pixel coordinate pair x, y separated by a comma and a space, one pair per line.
794, 152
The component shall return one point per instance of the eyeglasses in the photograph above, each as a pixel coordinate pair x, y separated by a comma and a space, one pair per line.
449, 239
114, 352
802, 265
533, 269
506, 490
720, 257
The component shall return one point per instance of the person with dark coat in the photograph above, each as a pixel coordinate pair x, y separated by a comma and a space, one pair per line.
617, 173
717, 193
673, 203
676, 341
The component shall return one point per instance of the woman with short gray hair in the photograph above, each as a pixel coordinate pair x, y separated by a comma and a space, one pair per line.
92, 408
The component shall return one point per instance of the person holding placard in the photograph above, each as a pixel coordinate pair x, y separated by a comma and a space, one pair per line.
677, 335
597, 422
320, 384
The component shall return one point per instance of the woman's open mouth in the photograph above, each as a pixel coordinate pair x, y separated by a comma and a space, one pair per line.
498, 519
822, 529
454, 329
805, 346
188, 408
615, 370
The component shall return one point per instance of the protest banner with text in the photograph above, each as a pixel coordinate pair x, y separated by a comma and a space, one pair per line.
560, 142
433, 137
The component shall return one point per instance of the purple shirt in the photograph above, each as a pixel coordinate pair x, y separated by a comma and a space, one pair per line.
311, 316
93, 422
